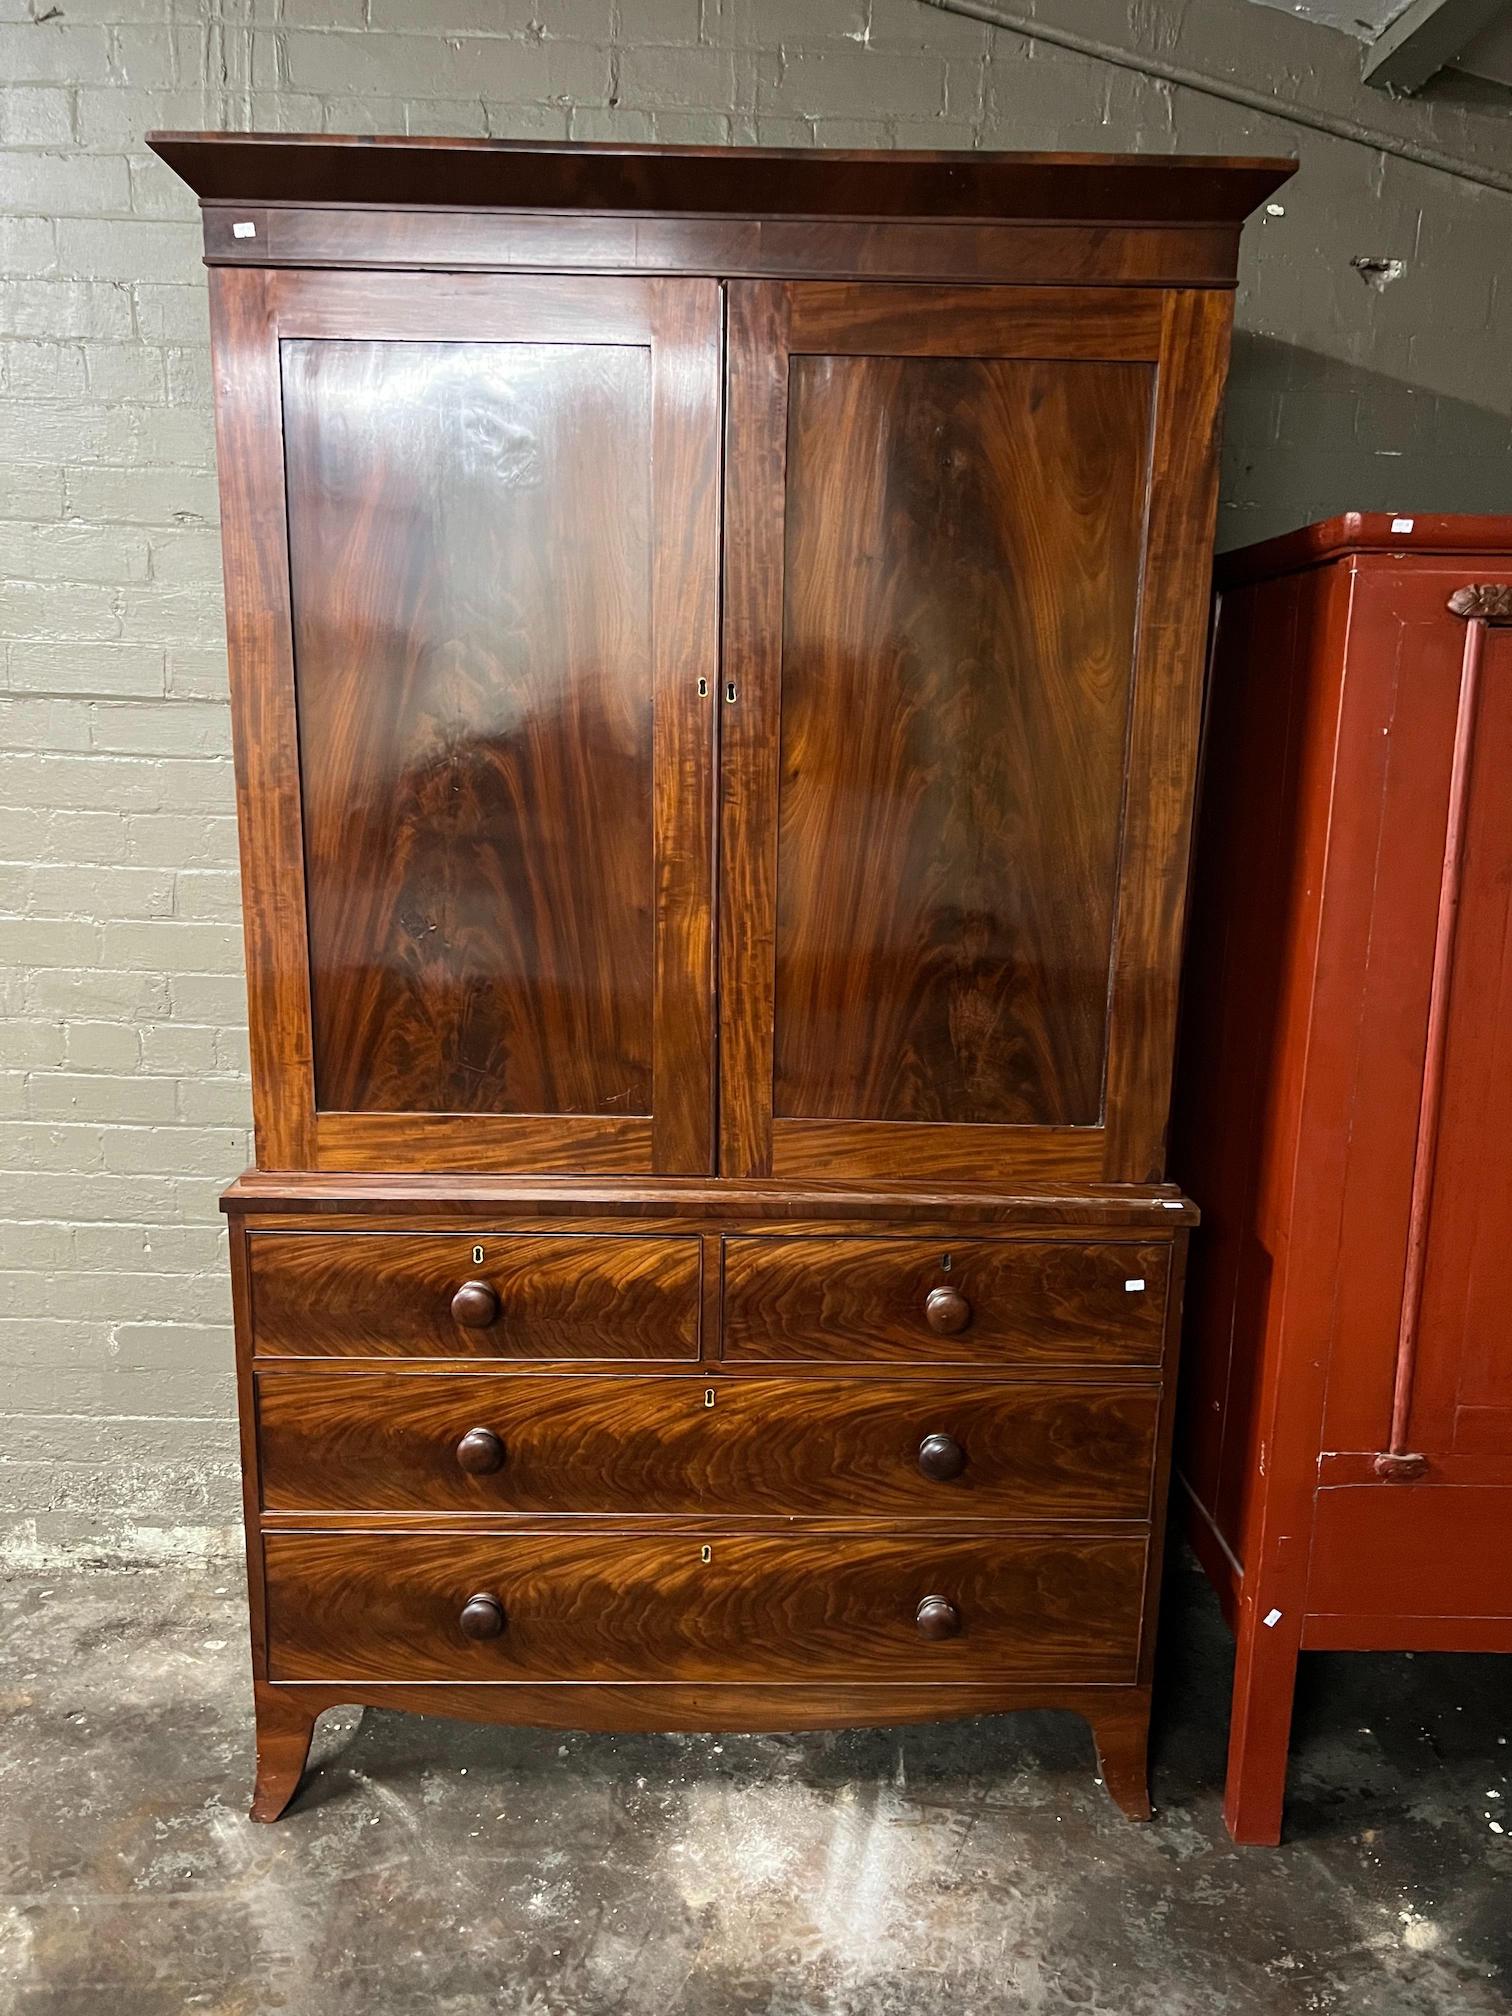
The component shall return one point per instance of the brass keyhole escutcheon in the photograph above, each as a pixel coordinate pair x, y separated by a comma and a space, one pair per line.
706, 1555
708, 1396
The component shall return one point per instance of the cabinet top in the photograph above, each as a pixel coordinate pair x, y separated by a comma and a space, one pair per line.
1400, 533
599, 177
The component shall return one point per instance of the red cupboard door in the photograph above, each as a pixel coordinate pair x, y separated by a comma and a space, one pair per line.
1460, 1414
965, 588
472, 549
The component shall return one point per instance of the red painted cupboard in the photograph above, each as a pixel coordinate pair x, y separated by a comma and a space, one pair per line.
1345, 1112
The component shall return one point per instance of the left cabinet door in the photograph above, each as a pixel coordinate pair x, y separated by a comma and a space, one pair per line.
471, 549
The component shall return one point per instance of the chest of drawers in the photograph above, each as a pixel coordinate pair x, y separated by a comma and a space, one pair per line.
715, 645
705, 1473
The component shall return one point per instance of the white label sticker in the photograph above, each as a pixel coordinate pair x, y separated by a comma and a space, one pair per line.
1402, 524
1170, 1203
243, 230
1271, 1619
1132, 1287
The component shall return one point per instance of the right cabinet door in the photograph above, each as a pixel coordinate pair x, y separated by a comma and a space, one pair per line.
965, 580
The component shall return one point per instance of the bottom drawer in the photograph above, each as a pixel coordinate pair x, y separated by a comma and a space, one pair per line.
425, 1607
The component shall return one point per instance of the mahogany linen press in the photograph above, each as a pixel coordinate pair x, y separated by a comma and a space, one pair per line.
716, 640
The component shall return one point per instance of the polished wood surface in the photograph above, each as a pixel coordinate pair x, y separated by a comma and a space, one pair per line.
1104, 255
1164, 730
937, 1617
961, 591
490, 989
1027, 1302
375, 1607
474, 721
380, 1441
392, 1294
1159, 1208
577, 500
476, 174
870, 853
259, 634
1338, 690
285, 1726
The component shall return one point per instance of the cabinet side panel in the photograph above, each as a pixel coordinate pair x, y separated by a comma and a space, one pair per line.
254, 544
1245, 1006
1163, 738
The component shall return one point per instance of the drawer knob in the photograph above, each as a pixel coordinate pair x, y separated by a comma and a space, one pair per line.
480, 1452
946, 1311
937, 1617
475, 1305
941, 1457
482, 1616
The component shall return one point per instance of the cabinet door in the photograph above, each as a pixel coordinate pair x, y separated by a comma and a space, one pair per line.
471, 534
966, 566
1457, 1395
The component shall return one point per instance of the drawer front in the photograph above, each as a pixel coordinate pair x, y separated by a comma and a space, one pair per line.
998, 1302
390, 1607
401, 1294
939, 1448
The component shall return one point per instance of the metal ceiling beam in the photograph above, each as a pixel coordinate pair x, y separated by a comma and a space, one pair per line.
1425, 36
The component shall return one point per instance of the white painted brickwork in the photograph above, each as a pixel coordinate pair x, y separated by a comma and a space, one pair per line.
123, 1093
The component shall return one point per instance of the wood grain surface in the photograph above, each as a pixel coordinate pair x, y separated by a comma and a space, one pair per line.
1108, 256
419, 1198
390, 1295
475, 721
478, 871
961, 590
427, 170
389, 1441
864, 1299
386, 1607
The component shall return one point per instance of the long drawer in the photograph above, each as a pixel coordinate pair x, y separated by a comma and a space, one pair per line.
471, 1442
997, 1302
401, 1294
421, 1607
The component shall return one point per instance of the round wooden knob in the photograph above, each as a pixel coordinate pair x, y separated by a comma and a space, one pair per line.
475, 1305
941, 1457
483, 1616
946, 1311
937, 1617
480, 1452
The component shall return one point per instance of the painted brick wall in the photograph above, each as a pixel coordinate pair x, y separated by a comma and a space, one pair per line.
124, 1047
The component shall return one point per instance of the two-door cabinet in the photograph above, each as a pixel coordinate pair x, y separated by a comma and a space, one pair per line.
716, 642
1346, 1112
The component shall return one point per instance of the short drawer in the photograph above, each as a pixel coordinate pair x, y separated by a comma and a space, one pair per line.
977, 1302
931, 1448
427, 1607
399, 1294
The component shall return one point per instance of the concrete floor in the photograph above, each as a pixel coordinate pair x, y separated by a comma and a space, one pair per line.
969, 1869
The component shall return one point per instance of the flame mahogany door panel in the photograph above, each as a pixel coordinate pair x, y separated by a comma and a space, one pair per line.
959, 729
474, 578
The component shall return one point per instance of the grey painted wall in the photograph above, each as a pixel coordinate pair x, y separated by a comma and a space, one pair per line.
124, 1066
